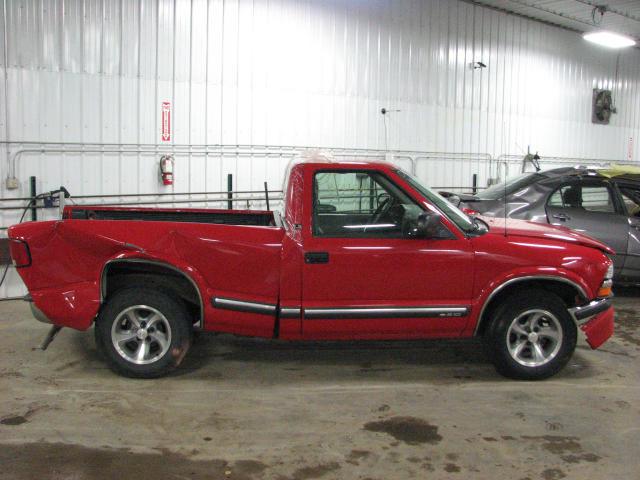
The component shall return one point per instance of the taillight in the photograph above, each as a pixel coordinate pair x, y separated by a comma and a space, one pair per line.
19, 253
470, 211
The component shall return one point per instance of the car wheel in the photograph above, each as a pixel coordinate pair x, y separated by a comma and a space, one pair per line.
143, 333
532, 336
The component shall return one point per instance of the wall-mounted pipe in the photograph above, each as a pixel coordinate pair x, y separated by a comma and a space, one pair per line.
550, 162
33, 147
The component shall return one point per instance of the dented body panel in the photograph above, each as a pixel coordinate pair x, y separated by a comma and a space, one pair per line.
68, 258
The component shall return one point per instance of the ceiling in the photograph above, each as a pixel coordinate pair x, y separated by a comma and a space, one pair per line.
621, 16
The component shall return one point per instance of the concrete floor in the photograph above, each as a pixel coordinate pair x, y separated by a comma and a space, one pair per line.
252, 409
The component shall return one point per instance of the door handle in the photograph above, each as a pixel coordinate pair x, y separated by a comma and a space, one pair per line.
316, 257
563, 217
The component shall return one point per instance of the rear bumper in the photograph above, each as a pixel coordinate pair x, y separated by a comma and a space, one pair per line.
38, 314
596, 321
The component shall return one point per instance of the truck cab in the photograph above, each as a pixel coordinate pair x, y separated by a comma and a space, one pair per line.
366, 269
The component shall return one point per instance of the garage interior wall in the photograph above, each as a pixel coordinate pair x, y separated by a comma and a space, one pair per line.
292, 73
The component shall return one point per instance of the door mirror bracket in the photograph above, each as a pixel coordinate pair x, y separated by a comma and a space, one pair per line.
427, 225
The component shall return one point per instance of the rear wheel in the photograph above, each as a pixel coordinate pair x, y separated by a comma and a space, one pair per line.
531, 336
143, 333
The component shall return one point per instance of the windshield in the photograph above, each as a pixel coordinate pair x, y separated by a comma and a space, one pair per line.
453, 213
512, 185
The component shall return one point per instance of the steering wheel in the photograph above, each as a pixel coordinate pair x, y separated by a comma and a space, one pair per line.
383, 207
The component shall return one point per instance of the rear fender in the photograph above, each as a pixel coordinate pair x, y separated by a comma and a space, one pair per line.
181, 268
68, 266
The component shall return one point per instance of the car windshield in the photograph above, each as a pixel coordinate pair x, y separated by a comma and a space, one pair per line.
512, 185
453, 213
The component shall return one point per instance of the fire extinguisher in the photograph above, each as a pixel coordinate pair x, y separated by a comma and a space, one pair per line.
166, 169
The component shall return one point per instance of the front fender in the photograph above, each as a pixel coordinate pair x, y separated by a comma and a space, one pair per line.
495, 286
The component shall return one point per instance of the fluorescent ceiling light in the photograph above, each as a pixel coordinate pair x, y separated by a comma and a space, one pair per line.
609, 39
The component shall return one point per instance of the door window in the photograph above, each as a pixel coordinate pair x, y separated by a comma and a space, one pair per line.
631, 199
361, 205
591, 198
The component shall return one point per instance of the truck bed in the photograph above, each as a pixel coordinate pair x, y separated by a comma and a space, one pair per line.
191, 215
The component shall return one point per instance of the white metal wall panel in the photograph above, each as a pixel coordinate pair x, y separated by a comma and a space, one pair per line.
300, 73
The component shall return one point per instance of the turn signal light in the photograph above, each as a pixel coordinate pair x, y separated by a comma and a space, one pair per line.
20, 254
605, 289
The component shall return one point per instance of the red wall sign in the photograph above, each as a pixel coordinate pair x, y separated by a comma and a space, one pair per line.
166, 121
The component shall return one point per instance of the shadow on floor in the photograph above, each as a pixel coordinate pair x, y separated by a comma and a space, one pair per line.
250, 360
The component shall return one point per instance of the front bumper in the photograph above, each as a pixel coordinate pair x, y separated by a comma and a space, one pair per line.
584, 313
596, 320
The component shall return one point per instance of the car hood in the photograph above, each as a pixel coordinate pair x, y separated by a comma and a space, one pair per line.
524, 228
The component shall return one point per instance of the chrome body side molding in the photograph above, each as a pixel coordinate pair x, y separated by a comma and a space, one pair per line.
384, 312
243, 306
290, 312
339, 313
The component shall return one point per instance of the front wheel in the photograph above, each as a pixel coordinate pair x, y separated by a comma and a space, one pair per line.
143, 333
531, 336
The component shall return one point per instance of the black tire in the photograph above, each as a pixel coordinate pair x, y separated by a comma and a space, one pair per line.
524, 356
169, 334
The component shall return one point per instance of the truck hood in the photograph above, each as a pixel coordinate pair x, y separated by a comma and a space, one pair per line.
524, 228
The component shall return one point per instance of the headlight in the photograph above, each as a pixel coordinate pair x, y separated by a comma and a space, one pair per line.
605, 288
609, 273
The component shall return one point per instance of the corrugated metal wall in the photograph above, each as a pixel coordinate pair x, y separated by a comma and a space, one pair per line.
309, 73
297, 73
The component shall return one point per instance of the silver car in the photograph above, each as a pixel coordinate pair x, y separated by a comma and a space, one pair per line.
603, 203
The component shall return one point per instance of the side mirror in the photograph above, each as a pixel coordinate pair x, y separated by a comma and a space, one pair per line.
427, 225
455, 199
452, 197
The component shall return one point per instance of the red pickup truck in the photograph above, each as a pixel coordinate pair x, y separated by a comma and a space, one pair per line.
362, 250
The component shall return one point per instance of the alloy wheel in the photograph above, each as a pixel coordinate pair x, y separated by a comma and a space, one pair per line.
534, 338
141, 334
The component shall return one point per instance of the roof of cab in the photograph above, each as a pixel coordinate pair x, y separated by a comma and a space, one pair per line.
328, 160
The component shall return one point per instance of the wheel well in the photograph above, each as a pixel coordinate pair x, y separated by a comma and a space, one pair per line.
569, 294
130, 273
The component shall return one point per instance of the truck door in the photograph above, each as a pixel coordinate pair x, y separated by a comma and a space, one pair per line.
364, 276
